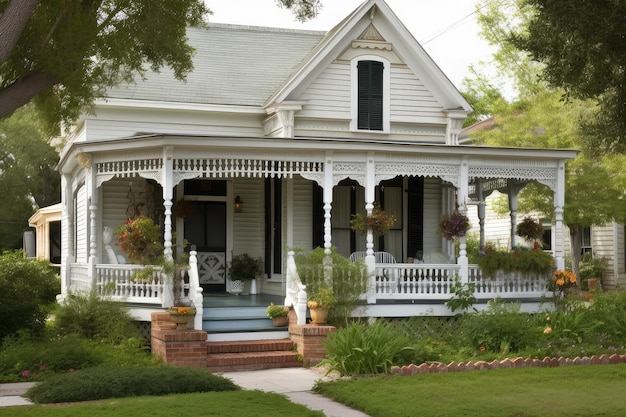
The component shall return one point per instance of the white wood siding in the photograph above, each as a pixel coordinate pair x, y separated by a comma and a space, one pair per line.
410, 98
82, 228
329, 95
432, 215
249, 225
302, 213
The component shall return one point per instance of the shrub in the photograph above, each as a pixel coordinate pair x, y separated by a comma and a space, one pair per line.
349, 281
25, 359
27, 291
591, 267
92, 317
500, 328
101, 383
360, 349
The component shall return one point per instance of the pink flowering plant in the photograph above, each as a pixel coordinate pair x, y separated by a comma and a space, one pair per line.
454, 225
141, 239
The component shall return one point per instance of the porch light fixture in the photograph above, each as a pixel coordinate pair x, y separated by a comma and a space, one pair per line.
238, 204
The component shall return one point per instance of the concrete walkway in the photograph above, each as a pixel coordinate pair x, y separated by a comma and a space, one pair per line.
11, 394
295, 383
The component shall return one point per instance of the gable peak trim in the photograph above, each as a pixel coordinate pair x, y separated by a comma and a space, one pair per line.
371, 39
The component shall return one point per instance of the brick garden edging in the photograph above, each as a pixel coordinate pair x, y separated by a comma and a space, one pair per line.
439, 368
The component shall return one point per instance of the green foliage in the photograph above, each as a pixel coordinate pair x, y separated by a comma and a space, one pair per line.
529, 229
27, 167
348, 280
27, 359
591, 267
276, 311
501, 328
101, 383
581, 47
27, 292
302, 9
244, 267
609, 308
92, 317
519, 260
462, 295
571, 327
361, 349
85, 48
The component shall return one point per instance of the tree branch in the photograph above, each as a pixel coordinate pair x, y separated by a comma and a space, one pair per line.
12, 23
24, 90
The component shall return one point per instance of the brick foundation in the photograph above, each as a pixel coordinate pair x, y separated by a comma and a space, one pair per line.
309, 340
181, 348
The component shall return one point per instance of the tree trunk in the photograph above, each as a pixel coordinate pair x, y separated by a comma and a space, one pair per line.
575, 238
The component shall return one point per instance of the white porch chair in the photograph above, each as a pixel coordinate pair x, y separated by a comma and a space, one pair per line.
380, 257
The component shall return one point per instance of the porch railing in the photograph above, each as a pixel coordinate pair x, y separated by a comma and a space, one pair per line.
121, 283
427, 282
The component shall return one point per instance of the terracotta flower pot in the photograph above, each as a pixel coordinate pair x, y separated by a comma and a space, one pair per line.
280, 321
182, 316
318, 316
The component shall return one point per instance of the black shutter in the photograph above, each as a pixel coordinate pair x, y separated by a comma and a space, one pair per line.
318, 216
268, 226
370, 95
415, 213
278, 230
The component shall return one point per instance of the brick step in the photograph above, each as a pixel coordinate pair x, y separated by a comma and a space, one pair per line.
251, 355
244, 346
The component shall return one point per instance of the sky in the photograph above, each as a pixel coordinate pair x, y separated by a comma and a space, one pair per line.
446, 29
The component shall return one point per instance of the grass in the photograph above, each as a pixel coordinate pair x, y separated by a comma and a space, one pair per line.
537, 392
223, 404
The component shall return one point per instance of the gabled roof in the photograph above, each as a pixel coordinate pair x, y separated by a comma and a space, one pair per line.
233, 65
258, 66
404, 44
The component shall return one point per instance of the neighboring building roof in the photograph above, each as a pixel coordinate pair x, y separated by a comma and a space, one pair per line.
487, 124
233, 65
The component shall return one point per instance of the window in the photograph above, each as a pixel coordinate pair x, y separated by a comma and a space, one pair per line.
370, 95
586, 240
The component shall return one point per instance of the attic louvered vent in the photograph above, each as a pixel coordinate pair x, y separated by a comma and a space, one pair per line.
370, 100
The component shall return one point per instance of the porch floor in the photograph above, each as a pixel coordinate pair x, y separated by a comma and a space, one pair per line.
230, 300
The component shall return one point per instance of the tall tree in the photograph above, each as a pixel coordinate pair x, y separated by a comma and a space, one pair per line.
63, 53
583, 47
28, 178
541, 118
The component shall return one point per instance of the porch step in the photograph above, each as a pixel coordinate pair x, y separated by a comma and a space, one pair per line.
237, 320
251, 355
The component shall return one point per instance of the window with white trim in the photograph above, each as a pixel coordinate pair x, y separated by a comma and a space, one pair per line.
370, 94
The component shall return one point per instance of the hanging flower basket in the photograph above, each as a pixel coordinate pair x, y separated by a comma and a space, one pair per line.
141, 239
454, 225
529, 229
379, 221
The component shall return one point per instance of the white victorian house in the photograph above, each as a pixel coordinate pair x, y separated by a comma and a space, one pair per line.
275, 139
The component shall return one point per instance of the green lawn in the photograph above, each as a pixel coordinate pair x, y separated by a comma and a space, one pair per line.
223, 404
537, 392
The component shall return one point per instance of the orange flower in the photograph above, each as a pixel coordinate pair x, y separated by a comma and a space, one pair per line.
548, 330
560, 282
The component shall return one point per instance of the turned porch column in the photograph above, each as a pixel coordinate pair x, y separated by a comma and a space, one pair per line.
370, 195
559, 203
462, 195
168, 191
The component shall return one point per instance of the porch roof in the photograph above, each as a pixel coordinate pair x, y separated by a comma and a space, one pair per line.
135, 147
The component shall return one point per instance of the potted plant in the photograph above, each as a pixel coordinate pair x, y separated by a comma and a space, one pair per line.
530, 230
379, 221
242, 268
142, 241
453, 225
319, 301
278, 314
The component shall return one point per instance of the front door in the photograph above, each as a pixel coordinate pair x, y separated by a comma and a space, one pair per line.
206, 229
